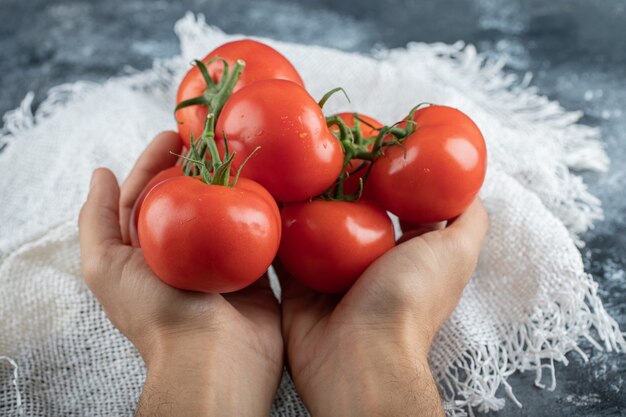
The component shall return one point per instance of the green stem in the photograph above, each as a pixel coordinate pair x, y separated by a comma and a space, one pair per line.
328, 95
208, 139
200, 100
345, 136
356, 129
226, 90
205, 73
215, 96
245, 161
379, 140
195, 153
339, 192
398, 132
365, 155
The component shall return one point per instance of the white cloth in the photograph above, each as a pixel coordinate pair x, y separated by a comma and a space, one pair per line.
528, 304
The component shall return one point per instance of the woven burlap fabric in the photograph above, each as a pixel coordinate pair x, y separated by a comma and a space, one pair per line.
528, 304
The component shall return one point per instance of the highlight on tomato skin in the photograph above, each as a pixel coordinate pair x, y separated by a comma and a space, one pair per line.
262, 63
298, 156
209, 238
437, 172
327, 245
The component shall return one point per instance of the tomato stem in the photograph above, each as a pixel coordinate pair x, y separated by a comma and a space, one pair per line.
227, 88
205, 73
214, 171
245, 161
208, 138
356, 129
354, 146
200, 100
214, 97
357, 120
329, 94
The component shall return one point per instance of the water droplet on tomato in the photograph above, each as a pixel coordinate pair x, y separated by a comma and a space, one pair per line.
303, 135
259, 132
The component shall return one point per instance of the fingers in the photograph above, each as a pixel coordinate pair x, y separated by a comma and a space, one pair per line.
463, 239
154, 159
470, 228
98, 223
453, 252
302, 307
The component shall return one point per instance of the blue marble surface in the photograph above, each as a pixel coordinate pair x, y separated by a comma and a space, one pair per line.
576, 50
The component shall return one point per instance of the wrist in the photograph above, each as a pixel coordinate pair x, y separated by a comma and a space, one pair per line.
375, 378
205, 375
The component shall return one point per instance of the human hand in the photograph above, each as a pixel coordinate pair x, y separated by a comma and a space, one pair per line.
205, 353
366, 353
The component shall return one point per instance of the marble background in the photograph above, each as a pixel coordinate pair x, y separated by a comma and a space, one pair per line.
575, 49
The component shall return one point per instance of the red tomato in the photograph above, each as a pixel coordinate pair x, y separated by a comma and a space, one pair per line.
262, 63
328, 244
299, 157
437, 172
351, 184
209, 238
175, 171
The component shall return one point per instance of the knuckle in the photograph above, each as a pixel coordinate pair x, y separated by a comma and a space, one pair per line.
465, 255
94, 265
403, 294
91, 270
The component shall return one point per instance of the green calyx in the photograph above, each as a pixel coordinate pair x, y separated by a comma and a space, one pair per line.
214, 97
215, 94
203, 158
356, 146
366, 149
212, 170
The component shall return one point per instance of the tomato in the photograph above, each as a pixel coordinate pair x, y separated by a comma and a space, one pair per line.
351, 184
437, 172
298, 156
209, 238
328, 244
262, 62
175, 171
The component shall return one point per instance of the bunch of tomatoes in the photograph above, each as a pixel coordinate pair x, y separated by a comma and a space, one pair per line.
265, 173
